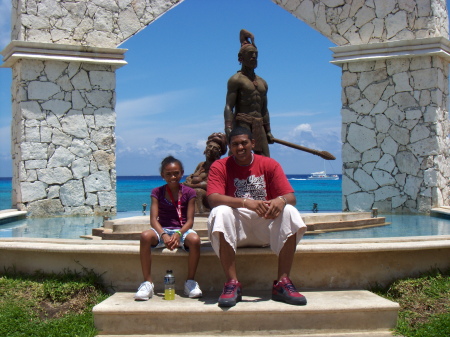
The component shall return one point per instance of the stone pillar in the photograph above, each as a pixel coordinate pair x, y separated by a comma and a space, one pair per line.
63, 141
395, 125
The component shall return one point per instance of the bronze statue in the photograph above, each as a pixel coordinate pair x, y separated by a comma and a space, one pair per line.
216, 146
246, 102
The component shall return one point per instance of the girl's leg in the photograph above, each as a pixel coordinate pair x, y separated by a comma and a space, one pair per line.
192, 242
148, 239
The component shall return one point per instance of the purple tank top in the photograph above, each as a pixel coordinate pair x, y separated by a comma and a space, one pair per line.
167, 212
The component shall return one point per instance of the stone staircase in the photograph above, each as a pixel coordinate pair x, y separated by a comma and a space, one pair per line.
131, 228
8, 215
330, 312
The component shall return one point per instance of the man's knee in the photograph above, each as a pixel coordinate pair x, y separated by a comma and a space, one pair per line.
220, 212
289, 208
302, 231
222, 209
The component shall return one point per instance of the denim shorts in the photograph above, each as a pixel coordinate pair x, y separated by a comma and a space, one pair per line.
171, 232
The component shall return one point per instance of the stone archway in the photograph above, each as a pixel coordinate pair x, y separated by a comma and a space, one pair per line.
394, 56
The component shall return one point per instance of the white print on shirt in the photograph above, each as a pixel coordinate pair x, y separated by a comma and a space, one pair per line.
252, 188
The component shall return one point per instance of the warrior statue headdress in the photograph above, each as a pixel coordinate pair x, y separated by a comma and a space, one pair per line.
247, 39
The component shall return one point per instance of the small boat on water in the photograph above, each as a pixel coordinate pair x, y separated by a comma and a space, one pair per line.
322, 175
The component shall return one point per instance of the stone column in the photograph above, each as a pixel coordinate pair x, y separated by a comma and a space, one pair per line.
395, 125
63, 141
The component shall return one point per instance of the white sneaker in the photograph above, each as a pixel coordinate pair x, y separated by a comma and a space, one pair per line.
145, 291
192, 289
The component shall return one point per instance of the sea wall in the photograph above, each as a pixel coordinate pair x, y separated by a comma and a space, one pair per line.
63, 143
395, 134
318, 264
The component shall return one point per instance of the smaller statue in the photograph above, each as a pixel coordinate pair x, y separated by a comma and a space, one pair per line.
216, 146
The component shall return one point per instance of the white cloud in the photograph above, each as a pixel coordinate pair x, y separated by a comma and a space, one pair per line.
146, 159
201, 143
315, 136
139, 109
302, 128
293, 114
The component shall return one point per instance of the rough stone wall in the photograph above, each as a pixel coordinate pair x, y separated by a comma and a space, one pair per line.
368, 21
99, 23
63, 142
395, 111
395, 134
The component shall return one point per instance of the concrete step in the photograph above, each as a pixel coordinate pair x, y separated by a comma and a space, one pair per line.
338, 312
441, 212
9, 215
346, 224
131, 228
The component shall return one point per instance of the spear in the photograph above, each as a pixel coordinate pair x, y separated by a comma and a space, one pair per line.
324, 154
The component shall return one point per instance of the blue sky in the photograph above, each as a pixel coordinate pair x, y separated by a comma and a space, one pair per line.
171, 94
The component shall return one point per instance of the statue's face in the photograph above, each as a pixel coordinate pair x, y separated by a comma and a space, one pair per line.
249, 57
212, 150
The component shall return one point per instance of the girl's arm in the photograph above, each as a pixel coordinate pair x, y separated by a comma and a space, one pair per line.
175, 239
154, 213
189, 216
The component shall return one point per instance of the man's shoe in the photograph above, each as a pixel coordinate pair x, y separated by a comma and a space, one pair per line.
192, 289
145, 291
231, 294
284, 291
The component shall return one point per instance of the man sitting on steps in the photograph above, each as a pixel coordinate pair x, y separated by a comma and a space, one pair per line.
253, 207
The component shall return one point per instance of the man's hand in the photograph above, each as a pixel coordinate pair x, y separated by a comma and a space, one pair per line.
227, 131
260, 207
270, 137
276, 206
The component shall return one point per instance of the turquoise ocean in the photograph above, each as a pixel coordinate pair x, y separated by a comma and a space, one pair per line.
134, 191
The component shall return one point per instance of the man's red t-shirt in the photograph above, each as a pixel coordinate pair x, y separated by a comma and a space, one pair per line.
263, 179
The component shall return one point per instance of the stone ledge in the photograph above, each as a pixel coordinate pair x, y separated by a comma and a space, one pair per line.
439, 46
305, 246
18, 50
441, 212
318, 264
8, 215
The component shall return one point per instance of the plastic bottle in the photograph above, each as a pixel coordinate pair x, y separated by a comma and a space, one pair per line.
169, 286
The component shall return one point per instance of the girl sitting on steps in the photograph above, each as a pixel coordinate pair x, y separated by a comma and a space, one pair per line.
171, 218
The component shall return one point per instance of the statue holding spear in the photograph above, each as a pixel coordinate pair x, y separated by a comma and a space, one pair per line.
246, 102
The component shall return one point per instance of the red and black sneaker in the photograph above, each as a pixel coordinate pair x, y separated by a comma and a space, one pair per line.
284, 291
231, 294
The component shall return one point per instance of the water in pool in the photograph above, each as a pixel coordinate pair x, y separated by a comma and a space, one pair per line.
132, 192
74, 227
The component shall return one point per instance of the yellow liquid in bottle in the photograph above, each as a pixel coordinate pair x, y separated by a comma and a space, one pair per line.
169, 294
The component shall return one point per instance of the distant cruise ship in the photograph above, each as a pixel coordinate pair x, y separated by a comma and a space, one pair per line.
322, 175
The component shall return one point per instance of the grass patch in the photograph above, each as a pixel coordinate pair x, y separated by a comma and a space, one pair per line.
49, 304
424, 304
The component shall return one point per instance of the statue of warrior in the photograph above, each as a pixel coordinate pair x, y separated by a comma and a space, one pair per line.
246, 102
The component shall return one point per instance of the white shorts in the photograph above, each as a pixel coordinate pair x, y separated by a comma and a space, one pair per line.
244, 228
171, 232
